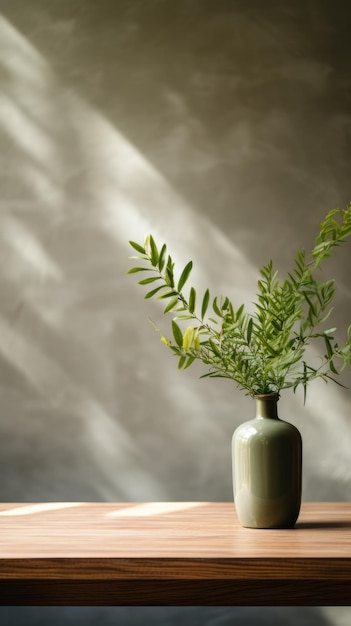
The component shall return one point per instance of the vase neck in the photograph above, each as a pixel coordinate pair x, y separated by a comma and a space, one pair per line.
266, 406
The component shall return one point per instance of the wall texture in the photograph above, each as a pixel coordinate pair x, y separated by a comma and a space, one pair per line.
224, 128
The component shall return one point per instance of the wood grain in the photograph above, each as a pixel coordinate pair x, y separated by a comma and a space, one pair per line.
171, 553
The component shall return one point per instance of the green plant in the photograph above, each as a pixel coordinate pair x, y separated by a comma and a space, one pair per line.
264, 351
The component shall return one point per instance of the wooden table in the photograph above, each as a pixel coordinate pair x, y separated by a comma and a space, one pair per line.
171, 554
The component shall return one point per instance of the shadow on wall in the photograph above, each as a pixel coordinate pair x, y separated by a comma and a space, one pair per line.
68, 335
167, 616
89, 401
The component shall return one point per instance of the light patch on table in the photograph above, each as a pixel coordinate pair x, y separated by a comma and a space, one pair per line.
154, 508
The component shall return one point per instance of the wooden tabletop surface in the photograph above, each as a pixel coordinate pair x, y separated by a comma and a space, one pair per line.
187, 553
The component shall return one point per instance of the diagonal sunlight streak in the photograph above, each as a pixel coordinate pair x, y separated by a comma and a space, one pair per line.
19, 56
27, 135
135, 198
28, 256
28, 77
29, 509
107, 439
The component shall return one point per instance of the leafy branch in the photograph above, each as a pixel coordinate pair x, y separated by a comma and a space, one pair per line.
263, 351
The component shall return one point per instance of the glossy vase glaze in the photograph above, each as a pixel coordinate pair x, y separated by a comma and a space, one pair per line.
267, 468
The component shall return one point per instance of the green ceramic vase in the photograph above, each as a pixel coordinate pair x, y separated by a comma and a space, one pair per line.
267, 468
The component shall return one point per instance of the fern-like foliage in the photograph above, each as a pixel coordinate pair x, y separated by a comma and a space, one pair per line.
263, 351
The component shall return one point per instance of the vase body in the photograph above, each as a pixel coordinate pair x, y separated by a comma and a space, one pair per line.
267, 468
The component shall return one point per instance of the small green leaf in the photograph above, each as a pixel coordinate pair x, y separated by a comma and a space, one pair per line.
184, 317
239, 312
137, 256
161, 258
328, 347
154, 251
191, 339
169, 278
184, 275
152, 293
333, 368
192, 300
215, 349
190, 360
137, 247
181, 362
169, 294
177, 334
277, 324
211, 319
310, 304
249, 330
205, 302
170, 263
270, 348
171, 305
216, 308
146, 281
225, 304
304, 381
133, 270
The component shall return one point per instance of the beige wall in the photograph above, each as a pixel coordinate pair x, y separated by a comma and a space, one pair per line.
224, 129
